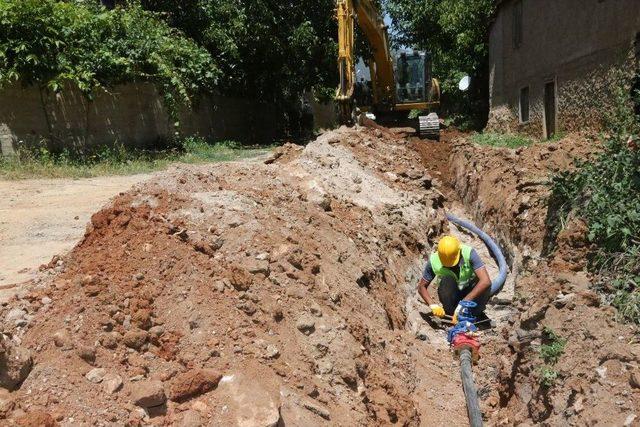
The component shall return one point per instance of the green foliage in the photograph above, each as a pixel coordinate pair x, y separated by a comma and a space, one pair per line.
118, 160
267, 49
553, 347
501, 140
547, 376
456, 32
52, 43
550, 352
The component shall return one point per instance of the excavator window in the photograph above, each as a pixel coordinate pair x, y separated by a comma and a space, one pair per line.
411, 76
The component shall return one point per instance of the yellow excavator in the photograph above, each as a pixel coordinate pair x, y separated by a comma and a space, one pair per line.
399, 84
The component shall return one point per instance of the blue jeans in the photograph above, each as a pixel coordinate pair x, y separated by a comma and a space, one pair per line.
450, 296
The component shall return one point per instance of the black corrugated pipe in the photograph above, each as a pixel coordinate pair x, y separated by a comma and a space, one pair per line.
470, 392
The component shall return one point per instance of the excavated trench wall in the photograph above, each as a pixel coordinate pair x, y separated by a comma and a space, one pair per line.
590, 378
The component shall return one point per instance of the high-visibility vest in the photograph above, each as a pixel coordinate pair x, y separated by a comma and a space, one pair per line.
467, 275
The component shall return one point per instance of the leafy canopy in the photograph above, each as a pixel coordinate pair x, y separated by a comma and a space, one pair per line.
267, 49
50, 43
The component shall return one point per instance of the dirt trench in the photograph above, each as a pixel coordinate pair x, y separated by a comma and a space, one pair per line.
594, 380
283, 293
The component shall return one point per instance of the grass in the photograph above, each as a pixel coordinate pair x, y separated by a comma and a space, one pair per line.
41, 163
550, 353
553, 348
501, 140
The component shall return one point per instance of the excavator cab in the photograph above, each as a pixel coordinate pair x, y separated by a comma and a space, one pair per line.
413, 74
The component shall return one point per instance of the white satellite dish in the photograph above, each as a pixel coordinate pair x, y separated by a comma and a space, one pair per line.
464, 83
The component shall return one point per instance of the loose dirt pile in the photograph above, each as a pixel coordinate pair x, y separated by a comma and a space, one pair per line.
242, 294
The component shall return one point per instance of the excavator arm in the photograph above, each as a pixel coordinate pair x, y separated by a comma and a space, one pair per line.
382, 72
410, 87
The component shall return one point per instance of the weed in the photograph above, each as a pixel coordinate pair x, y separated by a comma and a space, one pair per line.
551, 351
547, 376
118, 160
501, 140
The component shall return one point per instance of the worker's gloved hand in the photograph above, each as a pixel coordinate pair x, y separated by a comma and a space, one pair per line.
437, 310
464, 312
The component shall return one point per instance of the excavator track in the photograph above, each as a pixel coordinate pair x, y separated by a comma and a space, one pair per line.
429, 126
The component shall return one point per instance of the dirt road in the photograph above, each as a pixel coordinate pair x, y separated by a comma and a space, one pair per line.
44, 217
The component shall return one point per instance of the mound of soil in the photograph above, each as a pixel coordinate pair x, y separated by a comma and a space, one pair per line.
251, 293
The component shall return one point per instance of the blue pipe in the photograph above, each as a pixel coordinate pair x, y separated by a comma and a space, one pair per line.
496, 252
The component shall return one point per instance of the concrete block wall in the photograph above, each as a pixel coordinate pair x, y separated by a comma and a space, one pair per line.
132, 115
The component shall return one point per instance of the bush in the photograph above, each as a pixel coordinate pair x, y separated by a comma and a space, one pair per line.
50, 43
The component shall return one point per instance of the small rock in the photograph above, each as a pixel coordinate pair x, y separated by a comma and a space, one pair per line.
325, 203
135, 338
306, 325
6, 403
111, 383
15, 314
602, 371
628, 422
634, 379
219, 286
15, 364
147, 394
256, 266
200, 406
264, 256
315, 310
86, 353
46, 300
156, 331
110, 340
63, 340
191, 418
193, 383
271, 352
317, 409
96, 375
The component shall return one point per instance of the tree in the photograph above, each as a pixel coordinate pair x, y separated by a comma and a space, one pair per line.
456, 32
267, 49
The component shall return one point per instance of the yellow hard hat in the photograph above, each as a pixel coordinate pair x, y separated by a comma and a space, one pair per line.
449, 251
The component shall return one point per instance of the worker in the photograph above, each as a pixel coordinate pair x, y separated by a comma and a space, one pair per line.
462, 275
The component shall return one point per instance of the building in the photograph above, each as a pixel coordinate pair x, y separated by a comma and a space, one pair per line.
555, 65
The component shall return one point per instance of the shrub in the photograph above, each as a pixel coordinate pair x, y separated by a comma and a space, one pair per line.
51, 43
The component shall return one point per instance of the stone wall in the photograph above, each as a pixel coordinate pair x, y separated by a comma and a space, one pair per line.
132, 115
585, 46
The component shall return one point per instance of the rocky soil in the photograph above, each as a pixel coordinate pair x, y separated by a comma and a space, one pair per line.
244, 294
283, 293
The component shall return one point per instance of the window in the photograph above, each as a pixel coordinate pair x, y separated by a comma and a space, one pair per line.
524, 104
517, 24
